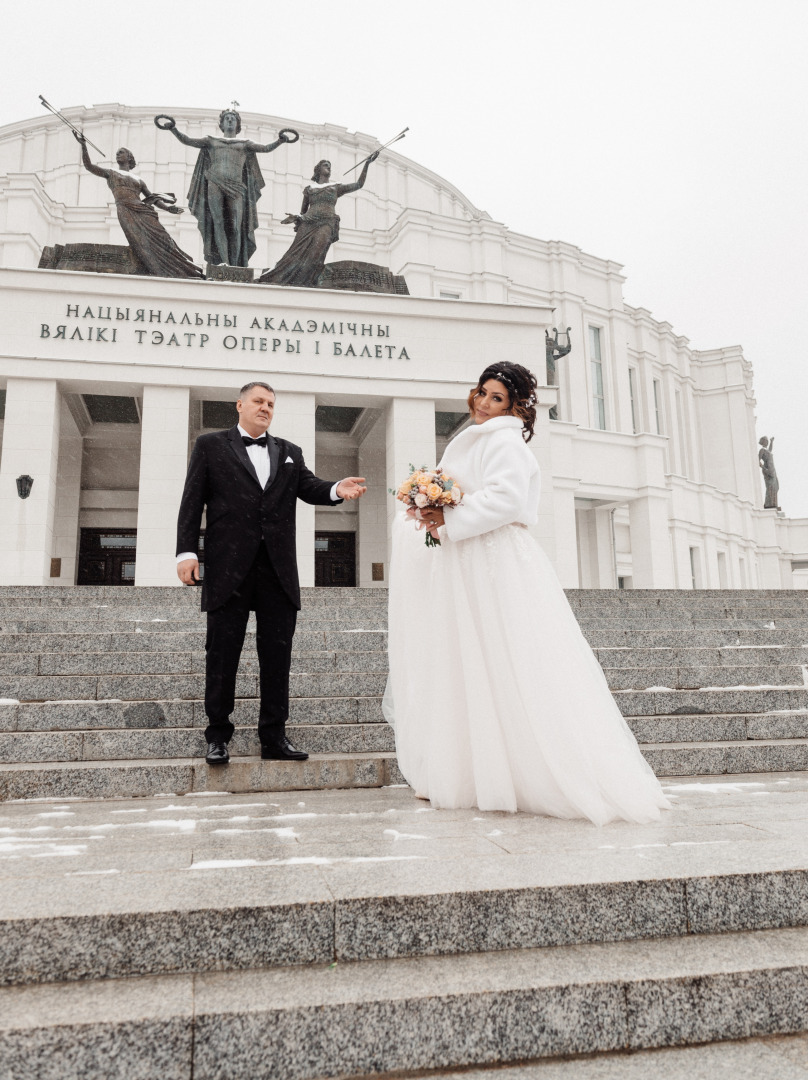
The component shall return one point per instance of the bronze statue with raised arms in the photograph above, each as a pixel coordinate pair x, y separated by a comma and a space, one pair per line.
226, 186
155, 251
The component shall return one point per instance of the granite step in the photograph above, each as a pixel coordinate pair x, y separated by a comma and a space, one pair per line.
160, 663
770, 710
408, 1015
693, 656
766, 1057
707, 622
137, 777
692, 638
175, 737
110, 744
720, 701
164, 662
46, 621
305, 641
174, 713
181, 776
151, 687
717, 728
714, 758
44, 624
696, 678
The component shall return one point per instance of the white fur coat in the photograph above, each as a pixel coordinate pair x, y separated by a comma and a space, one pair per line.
498, 475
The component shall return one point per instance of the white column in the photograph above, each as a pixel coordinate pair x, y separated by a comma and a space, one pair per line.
30, 447
373, 508
566, 539
652, 565
163, 465
604, 541
544, 529
68, 498
294, 420
680, 547
409, 440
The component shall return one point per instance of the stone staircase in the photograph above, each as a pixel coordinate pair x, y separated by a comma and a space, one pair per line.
241, 938
102, 689
308, 932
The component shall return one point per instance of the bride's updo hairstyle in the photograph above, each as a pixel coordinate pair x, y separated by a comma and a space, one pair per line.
521, 386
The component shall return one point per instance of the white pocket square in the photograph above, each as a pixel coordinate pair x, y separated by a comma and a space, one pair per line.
288, 461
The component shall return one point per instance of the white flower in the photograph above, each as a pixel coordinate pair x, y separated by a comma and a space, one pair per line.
421, 500
457, 495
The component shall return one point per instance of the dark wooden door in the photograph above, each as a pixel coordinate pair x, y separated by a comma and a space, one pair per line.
335, 559
107, 557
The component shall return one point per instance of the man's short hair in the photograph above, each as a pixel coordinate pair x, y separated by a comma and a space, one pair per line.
251, 386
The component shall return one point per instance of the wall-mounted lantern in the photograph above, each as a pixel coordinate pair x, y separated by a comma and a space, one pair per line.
24, 485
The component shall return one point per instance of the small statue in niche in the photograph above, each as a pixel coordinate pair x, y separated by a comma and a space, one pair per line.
316, 228
153, 248
226, 186
553, 353
766, 462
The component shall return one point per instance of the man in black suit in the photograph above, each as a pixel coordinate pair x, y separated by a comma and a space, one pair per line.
250, 483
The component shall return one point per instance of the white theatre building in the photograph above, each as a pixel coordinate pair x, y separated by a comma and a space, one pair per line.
650, 475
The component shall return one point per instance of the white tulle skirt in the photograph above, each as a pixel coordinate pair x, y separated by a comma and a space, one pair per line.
496, 698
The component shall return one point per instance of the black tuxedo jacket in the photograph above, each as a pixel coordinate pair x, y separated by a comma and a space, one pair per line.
241, 515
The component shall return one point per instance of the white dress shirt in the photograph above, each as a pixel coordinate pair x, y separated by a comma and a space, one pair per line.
259, 456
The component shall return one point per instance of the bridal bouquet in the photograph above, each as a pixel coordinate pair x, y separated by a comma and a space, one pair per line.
427, 488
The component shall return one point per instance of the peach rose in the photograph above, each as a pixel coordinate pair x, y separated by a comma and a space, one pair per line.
434, 492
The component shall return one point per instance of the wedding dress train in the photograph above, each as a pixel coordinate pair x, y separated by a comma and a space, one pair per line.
496, 698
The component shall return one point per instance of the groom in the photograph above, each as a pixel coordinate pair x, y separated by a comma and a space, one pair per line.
249, 482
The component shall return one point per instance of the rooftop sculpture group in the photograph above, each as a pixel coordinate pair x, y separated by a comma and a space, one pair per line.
223, 196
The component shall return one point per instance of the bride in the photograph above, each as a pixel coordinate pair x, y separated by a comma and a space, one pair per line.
496, 698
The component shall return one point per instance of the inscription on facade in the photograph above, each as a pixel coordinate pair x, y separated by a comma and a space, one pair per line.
310, 337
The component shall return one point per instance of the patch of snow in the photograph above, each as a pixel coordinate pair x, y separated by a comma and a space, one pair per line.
749, 646
205, 795
224, 806
298, 860
734, 788
396, 835
9, 701
759, 686
89, 873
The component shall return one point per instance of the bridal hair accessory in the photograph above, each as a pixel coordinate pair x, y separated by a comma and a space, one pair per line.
506, 380
427, 489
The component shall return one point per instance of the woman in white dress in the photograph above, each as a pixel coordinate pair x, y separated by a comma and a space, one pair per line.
496, 698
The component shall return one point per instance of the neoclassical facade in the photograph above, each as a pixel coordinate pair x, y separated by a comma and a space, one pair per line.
649, 464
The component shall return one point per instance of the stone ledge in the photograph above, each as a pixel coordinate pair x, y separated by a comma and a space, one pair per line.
406, 1015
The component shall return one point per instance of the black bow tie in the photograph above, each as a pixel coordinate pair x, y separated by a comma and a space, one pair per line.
254, 442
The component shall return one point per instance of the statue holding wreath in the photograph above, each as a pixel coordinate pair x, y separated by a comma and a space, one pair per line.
226, 186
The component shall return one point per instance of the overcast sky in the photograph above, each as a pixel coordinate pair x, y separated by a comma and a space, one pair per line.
667, 135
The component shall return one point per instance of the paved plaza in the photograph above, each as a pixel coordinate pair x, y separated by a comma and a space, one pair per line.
225, 906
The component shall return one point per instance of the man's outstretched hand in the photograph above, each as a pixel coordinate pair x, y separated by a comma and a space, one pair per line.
188, 571
352, 487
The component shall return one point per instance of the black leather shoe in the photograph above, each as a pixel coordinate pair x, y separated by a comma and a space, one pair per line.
282, 750
217, 754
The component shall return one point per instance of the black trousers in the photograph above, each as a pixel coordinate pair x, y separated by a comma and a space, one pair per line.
275, 616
